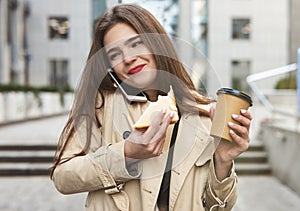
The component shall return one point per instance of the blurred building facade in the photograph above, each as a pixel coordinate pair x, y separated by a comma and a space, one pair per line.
47, 42
247, 37
13, 55
237, 38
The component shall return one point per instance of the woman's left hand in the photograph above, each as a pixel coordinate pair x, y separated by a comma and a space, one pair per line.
227, 151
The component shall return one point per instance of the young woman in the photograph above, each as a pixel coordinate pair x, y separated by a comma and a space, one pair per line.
123, 168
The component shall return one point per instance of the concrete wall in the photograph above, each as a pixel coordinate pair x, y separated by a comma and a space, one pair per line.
283, 147
283, 99
15, 106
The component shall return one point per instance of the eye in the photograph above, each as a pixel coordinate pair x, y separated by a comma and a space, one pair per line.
114, 56
136, 44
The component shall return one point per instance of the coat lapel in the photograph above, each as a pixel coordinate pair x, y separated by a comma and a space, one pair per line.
153, 171
192, 140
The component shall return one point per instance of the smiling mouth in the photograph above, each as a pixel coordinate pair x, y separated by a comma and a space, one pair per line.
136, 69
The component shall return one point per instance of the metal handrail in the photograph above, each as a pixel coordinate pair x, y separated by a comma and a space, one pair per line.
251, 79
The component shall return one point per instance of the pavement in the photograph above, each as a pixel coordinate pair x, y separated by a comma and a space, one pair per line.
259, 193
255, 193
36, 194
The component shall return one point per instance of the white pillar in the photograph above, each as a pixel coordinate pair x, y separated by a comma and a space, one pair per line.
185, 47
298, 80
5, 49
1, 41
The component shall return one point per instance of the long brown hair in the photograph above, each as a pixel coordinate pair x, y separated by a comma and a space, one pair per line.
95, 79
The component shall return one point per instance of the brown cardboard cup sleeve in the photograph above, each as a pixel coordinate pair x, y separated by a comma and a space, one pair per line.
230, 101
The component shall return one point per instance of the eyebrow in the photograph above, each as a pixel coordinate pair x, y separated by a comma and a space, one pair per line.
131, 39
125, 43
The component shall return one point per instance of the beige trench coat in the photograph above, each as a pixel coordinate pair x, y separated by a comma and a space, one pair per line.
113, 185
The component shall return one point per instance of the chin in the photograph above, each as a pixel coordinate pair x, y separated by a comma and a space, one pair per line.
143, 79
142, 86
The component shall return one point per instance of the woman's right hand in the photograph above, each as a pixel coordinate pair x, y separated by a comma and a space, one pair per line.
143, 144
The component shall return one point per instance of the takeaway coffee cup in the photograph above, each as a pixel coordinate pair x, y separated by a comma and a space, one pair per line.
229, 102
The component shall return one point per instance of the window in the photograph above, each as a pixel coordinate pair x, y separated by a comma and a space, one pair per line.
240, 70
58, 27
59, 73
241, 28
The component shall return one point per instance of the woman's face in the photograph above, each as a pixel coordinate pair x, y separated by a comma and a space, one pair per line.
130, 58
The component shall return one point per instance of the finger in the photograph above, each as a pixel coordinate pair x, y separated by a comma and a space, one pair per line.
242, 143
155, 124
159, 147
246, 113
161, 135
242, 120
136, 136
158, 118
163, 128
241, 130
155, 146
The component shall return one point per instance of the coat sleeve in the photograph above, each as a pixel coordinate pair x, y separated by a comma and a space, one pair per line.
220, 195
103, 167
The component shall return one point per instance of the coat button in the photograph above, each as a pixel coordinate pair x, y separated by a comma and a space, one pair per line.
203, 202
126, 134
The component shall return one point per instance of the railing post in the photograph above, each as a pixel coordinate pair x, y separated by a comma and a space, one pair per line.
298, 81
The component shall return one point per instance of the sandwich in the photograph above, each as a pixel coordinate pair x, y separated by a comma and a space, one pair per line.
167, 102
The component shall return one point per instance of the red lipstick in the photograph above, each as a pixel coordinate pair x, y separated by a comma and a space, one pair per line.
136, 69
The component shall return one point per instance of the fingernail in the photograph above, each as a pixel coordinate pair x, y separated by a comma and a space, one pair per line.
243, 111
172, 114
164, 111
230, 124
235, 116
231, 132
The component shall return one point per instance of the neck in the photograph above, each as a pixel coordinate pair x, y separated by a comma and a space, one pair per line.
152, 94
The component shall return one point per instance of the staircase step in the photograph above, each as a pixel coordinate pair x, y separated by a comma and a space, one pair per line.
24, 172
254, 161
256, 146
22, 160
26, 156
26, 160
253, 169
27, 147
31, 156
13, 169
253, 157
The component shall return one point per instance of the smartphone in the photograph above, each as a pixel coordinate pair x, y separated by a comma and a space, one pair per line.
131, 93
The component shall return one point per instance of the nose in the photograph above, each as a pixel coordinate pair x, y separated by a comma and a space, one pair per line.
129, 56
